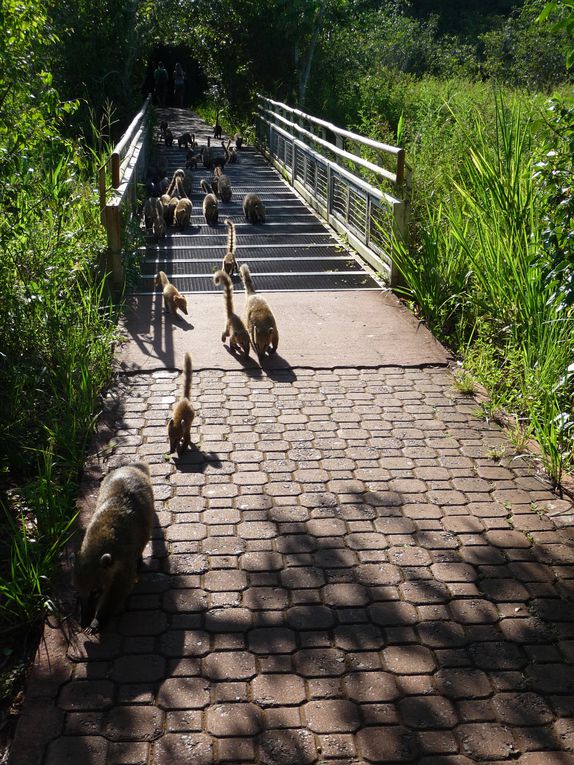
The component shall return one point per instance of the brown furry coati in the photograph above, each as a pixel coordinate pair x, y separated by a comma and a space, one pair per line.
178, 174
183, 211
149, 212
184, 140
168, 137
253, 209
234, 327
172, 297
230, 153
207, 154
155, 208
105, 568
217, 130
178, 428
229, 264
223, 185
258, 318
238, 141
210, 206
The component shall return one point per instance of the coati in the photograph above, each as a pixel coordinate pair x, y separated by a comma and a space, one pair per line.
169, 205
162, 128
172, 188
206, 154
182, 214
184, 140
258, 318
105, 568
253, 209
230, 153
217, 131
182, 416
172, 297
154, 216
210, 206
223, 185
168, 137
229, 264
234, 327
191, 160
238, 141
149, 212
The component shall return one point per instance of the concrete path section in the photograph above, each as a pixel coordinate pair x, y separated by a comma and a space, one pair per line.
316, 330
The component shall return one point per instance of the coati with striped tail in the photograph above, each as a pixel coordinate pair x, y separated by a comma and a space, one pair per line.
210, 206
172, 297
230, 153
253, 209
258, 318
105, 568
182, 214
234, 327
223, 185
153, 216
178, 175
229, 264
217, 130
178, 428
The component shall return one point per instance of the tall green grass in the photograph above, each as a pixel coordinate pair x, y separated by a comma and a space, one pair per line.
478, 279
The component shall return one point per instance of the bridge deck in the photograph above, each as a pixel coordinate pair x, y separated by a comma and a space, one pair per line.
293, 250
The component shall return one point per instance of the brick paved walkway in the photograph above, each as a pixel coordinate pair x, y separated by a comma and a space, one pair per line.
341, 573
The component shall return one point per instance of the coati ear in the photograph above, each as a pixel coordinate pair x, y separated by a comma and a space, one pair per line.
106, 560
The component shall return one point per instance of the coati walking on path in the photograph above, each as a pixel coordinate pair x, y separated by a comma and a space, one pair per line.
234, 327
229, 264
210, 206
253, 208
182, 416
172, 297
223, 185
105, 569
258, 318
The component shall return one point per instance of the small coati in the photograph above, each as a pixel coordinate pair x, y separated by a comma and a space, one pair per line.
253, 208
217, 130
234, 327
168, 137
207, 154
258, 318
154, 218
229, 264
178, 175
223, 185
172, 297
184, 140
210, 206
238, 141
105, 568
182, 416
230, 153
182, 214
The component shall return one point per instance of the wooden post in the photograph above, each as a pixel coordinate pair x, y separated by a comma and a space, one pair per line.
115, 166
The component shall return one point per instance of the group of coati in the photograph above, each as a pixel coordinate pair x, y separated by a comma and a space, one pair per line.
168, 202
105, 569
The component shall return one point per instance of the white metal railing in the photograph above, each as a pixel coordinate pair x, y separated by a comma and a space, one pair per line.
310, 153
118, 179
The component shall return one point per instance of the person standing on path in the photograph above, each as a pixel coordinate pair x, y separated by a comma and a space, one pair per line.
178, 85
160, 79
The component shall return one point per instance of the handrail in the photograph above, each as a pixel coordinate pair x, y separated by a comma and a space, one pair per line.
370, 219
399, 153
125, 166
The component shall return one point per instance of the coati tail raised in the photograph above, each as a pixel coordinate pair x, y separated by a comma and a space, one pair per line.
178, 428
182, 214
105, 569
172, 297
210, 206
258, 318
229, 264
234, 327
217, 127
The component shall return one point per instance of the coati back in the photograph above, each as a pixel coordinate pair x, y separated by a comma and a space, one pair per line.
207, 154
230, 153
158, 223
223, 185
184, 140
178, 174
210, 206
253, 209
182, 214
172, 297
258, 318
105, 569
217, 127
168, 137
178, 428
229, 264
238, 141
234, 327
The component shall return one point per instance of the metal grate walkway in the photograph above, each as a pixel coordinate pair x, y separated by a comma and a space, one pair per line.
292, 251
